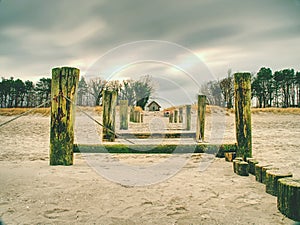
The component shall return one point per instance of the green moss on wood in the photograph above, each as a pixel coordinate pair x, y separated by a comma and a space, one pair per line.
242, 93
158, 149
288, 198
64, 83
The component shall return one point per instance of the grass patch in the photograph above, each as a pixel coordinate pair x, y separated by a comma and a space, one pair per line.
18, 111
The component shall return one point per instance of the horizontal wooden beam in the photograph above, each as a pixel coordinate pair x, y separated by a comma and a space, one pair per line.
218, 150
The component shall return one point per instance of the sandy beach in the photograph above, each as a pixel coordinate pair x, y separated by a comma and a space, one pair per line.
141, 188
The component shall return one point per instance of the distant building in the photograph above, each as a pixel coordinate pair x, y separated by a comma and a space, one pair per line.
154, 106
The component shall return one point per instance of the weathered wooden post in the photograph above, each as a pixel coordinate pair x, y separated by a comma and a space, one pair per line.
201, 118
171, 117
188, 117
180, 119
63, 94
175, 116
242, 94
288, 198
123, 114
109, 115
131, 114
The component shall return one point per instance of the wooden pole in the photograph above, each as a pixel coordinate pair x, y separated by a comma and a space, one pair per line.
123, 114
109, 115
176, 116
180, 119
188, 117
242, 94
64, 85
201, 118
171, 117
131, 114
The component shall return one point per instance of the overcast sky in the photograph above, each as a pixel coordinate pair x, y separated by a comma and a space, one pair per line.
195, 39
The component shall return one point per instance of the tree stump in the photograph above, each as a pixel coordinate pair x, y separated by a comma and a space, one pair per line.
201, 118
109, 115
242, 168
123, 114
288, 200
64, 85
258, 171
252, 162
242, 94
272, 177
234, 163
229, 156
188, 117
264, 172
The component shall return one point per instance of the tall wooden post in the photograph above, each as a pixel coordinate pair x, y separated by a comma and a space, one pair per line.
63, 87
201, 118
180, 119
109, 115
131, 114
123, 114
188, 117
242, 95
171, 117
175, 116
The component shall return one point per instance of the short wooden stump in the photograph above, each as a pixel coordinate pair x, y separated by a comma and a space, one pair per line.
258, 171
288, 201
242, 168
252, 162
272, 177
234, 163
264, 172
229, 156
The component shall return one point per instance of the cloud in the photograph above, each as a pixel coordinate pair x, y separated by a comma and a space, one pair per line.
242, 35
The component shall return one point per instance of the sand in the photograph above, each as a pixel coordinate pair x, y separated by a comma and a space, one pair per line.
141, 189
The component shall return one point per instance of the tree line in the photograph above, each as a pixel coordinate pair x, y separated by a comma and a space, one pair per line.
269, 89
17, 93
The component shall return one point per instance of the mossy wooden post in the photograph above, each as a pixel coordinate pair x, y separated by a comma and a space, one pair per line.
64, 84
272, 177
123, 114
188, 117
288, 197
109, 115
242, 94
180, 119
201, 118
176, 116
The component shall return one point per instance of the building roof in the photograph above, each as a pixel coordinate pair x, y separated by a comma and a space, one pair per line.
153, 102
